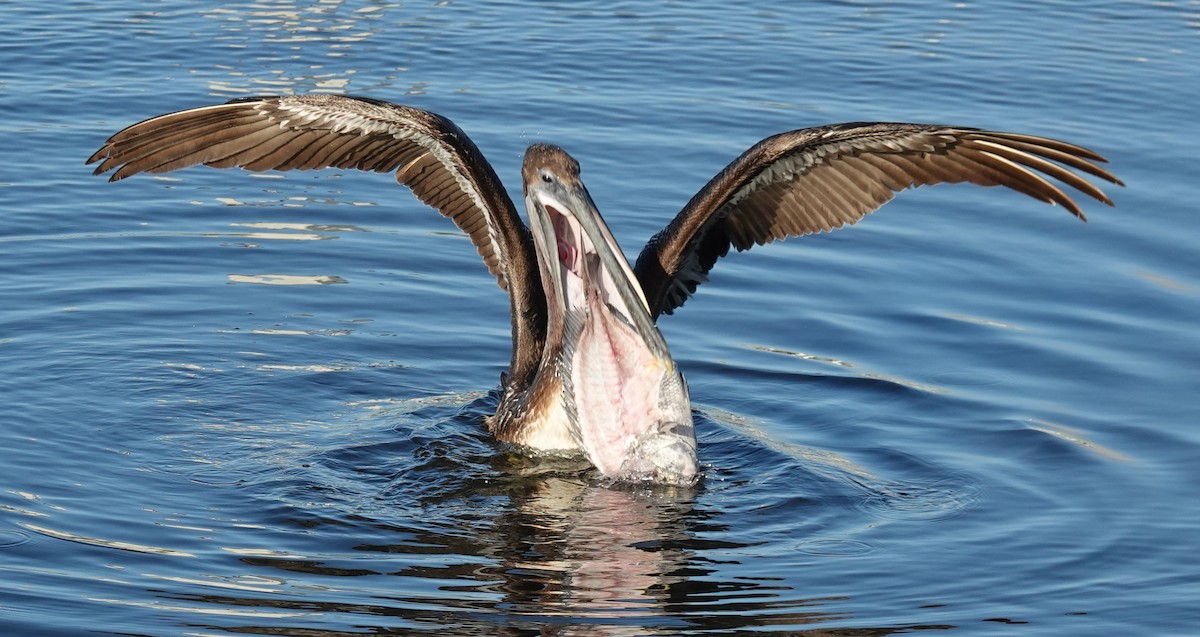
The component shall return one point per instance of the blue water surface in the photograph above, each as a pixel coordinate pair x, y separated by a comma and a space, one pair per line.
253, 404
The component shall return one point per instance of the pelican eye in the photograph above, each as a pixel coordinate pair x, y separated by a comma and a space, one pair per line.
547, 177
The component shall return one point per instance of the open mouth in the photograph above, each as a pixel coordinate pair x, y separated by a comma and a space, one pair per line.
566, 234
585, 279
625, 396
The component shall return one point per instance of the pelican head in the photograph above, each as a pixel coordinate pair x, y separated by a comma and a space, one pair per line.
625, 401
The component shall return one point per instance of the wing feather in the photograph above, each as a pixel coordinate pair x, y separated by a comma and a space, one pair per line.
819, 179
429, 153
319, 131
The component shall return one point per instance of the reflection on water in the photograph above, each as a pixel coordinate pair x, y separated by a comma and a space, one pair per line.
116, 544
281, 32
406, 519
287, 279
591, 555
564, 556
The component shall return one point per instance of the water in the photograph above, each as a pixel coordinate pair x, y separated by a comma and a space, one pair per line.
252, 404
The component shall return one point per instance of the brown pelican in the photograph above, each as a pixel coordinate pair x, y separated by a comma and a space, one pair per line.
590, 370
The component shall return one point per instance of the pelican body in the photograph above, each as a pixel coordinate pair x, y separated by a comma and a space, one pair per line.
590, 370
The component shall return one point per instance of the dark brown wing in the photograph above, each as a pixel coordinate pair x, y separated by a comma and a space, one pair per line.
430, 154
819, 179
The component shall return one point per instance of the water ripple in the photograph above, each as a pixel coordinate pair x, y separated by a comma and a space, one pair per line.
965, 412
107, 543
10, 539
932, 500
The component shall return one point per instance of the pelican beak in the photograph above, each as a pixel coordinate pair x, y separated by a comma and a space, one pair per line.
589, 259
627, 400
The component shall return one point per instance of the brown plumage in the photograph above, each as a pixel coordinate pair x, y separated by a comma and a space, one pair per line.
820, 179
430, 154
791, 184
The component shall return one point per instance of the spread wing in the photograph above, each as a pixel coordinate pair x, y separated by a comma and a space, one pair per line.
430, 154
819, 179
